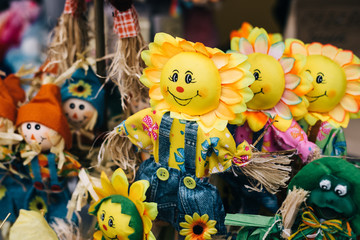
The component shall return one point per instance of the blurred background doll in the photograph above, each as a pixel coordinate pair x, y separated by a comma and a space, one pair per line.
44, 127
335, 96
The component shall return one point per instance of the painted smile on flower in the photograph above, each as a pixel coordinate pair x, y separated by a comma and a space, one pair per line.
261, 91
183, 102
314, 98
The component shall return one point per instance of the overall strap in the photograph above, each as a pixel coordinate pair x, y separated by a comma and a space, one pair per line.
35, 167
191, 129
164, 139
53, 169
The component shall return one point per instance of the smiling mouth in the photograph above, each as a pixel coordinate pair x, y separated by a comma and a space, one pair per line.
182, 101
261, 91
110, 237
316, 97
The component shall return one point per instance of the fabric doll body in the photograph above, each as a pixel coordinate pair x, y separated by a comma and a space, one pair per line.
175, 170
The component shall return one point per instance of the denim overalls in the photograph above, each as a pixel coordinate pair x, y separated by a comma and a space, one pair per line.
180, 193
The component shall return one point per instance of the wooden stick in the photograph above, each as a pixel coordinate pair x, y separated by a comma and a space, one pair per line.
100, 37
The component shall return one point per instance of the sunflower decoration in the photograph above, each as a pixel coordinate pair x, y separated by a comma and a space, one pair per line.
121, 211
80, 89
246, 28
279, 88
198, 228
336, 80
195, 82
38, 204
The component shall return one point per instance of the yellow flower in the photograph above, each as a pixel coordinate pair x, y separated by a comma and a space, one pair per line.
119, 186
336, 80
198, 228
80, 89
195, 82
38, 204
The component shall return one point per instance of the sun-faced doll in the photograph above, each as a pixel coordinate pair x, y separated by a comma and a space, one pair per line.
83, 104
44, 127
194, 92
335, 96
13, 175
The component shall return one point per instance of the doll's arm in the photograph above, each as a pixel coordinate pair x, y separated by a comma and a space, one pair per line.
295, 137
141, 128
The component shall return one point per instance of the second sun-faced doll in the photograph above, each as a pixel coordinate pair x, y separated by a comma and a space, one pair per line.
44, 127
194, 92
335, 96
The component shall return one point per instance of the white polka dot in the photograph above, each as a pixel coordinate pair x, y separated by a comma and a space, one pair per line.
227, 135
136, 136
227, 146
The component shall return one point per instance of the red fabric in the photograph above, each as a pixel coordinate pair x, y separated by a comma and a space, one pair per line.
74, 6
126, 23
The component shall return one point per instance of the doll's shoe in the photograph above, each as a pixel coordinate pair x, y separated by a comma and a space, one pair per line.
55, 188
39, 185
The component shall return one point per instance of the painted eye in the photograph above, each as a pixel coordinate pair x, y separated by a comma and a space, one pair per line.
256, 75
28, 126
110, 223
341, 190
174, 77
82, 107
72, 105
102, 216
319, 79
325, 185
188, 78
37, 126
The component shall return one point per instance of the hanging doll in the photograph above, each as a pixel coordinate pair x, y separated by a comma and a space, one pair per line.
43, 125
335, 97
194, 91
83, 104
120, 209
323, 203
279, 96
13, 176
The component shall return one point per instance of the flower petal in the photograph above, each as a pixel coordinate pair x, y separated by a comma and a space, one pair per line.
224, 112
298, 47
349, 104
205, 218
238, 60
187, 46
287, 63
261, 44
231, 75
155, 92
158, 60
245, 47
120, 182
138, 190
352, 72
290, 98
256, 120
234, 43
220, 60
329, 51
171, 50
344, 57
277, 50
106, 185
200, 48
153, 74
196, 217
353, 88
283, 110
314, 48
338, 113
161, 38
230, 96
292, 81
188, 219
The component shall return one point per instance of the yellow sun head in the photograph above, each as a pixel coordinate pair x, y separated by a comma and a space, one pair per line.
336, 81
195, 82
329, 83
191, 83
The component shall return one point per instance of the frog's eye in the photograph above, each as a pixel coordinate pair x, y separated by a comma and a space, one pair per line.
341, 190
325, 185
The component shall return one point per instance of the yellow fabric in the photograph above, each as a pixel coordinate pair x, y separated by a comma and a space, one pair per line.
134, 128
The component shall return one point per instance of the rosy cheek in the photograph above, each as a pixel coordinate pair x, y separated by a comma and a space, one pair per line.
332, 93
88, 114
204, 92
266, 88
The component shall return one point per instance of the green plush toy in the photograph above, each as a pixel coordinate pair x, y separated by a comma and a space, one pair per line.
324, 204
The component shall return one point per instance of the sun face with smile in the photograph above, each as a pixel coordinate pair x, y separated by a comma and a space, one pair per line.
195, 82
336, 81
278, 89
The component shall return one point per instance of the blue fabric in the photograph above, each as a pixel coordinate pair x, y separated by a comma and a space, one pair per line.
96, 99
174, 199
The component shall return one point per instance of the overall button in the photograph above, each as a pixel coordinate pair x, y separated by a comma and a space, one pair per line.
189, 182
162, 174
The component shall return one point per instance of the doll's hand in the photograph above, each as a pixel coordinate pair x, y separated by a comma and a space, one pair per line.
243, 154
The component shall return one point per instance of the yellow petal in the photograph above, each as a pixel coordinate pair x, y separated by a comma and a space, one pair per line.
138, 190
256, 120
158, 60
97, 235
145, 55
338, 113
207, 235
287, 63
188, 219
155, 92
224, 111
187, 46
234, 44
211, 223
298, 47
151, 210
170, 50
230, 76
344, 57
329, 51
353, 88
106, 185
200, 48
212, 231
352, 72
314, 48
153, 74
238, 60
161, 38
220, 60
205, 218
349, 104
230, 96
120, 182
185, 225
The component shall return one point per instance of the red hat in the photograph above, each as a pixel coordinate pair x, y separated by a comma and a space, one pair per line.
45, 108
11, 93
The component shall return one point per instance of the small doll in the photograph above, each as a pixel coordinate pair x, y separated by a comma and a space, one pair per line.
43, 125
322, 203
335, 96
83, 103
120, 209
194, 92
279, 96
13, 175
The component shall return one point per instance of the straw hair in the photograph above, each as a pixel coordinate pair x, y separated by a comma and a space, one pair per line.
267, 170
290, 208
126, 69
